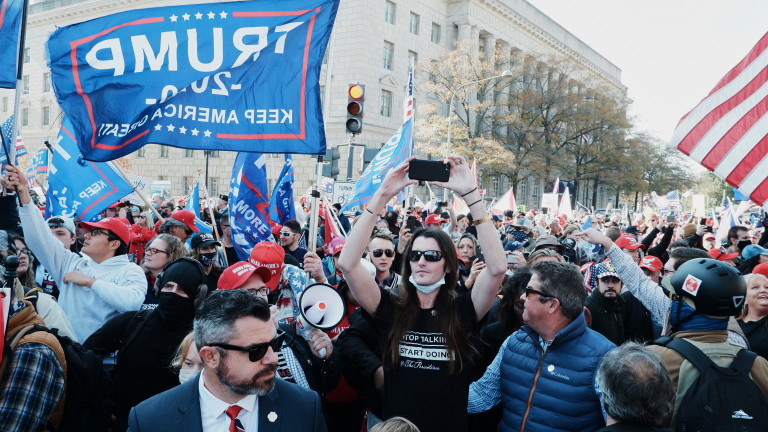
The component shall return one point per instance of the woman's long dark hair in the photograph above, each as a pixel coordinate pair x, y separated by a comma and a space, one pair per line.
511, 290
458, 339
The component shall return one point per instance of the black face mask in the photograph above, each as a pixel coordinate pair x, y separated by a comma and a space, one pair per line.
742, 244
206, 259
175, 309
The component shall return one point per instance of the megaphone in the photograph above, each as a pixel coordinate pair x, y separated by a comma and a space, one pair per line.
321, 307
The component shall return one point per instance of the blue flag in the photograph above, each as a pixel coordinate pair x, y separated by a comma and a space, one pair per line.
193, 205
738, 196
236, 76
10, 25
38, 165
587, 223
393, 153
248, 203
281, 208
79, 187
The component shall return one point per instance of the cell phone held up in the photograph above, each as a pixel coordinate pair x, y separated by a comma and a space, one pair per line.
427, 170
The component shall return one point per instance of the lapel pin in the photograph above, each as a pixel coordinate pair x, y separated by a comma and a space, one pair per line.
272, 416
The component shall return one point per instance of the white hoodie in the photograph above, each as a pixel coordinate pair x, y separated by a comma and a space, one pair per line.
120, 284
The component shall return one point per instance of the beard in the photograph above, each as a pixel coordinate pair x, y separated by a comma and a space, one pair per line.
249, 387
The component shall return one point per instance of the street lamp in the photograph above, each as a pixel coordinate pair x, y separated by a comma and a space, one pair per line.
505, 74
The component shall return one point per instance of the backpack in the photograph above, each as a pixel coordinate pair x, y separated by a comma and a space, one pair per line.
721, 399
88, 405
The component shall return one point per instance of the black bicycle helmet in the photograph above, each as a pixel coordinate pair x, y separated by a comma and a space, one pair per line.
715, 287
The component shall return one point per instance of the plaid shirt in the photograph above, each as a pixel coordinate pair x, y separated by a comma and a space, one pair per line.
31, 387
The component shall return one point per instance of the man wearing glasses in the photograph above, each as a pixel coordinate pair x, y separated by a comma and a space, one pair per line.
554, 352
94, 287
180, 224
290, 234
237, 388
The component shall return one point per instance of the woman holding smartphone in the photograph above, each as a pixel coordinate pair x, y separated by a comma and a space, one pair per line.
428, 331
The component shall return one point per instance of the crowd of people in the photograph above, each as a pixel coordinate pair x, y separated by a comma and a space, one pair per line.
452, 322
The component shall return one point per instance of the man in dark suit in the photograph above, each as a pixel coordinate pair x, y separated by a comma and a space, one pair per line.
237, 388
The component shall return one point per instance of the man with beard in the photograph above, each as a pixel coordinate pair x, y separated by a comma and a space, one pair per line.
236, 389
605, 304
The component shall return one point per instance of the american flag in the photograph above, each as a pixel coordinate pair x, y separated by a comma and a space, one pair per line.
408, 101
727, 132
673, 198
7, 130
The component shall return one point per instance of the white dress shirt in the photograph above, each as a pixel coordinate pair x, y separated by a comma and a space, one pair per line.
213, 411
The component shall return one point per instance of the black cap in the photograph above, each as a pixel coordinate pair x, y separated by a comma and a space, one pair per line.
202, 240
224, 198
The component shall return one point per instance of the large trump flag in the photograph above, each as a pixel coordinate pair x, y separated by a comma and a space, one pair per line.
238, 76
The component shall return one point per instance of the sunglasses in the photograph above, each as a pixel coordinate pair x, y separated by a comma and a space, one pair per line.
141, 216
256, 351
430, 255
377, 253
286, 234
529, 291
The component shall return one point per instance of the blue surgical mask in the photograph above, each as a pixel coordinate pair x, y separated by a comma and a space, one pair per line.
426, 289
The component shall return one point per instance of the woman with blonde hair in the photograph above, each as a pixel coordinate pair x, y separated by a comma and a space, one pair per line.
753, 320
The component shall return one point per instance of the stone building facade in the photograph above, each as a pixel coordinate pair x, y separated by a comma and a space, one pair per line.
372, 44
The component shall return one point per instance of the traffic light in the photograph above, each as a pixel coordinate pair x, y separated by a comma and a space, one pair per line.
332, 156
355, 100
368, 155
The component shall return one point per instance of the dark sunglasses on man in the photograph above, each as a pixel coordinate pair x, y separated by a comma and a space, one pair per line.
430, 255
377, 253
256, 351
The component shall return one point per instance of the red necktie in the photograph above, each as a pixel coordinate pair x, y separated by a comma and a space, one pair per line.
234, 425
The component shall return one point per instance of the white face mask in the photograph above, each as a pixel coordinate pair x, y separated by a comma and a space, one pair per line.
426, 289
187, 374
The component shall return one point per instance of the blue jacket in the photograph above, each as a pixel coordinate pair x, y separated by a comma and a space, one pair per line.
553, 389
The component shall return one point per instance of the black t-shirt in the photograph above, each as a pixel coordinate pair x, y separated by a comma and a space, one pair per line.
757, 335
420, 388
298, 254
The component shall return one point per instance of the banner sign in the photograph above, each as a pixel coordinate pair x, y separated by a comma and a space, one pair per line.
238, 76
343, 192
10, 25
77, 187
248, 203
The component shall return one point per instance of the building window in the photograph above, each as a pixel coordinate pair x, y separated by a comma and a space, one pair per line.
386, 103
46, 82
46, 116
413, 58
435, 37
188, 153
213, 153
163, 151
186, 184
5, 104
25, 84
26, 55
389, 12
389, 52
535, 192
142, 152
213, 186
25, 116
413, 24
522, 185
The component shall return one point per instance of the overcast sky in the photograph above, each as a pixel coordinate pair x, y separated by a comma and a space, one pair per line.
671, 52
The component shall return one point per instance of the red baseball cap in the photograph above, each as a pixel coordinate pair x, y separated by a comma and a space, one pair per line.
336, 245
628, 241
761, 269
187, 218
117, 226
434, 219
651, 263
118, 204
270, 255
235, 275
720, 255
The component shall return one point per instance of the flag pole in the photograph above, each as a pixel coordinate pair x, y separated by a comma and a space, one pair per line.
19, 77
210, 210
139, 192
315, 208
335, 218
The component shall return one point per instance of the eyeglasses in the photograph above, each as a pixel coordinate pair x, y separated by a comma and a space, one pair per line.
667, 272
529, 291
24, 251
97, 232
286, 234
141, 216
377, 253
152, 251
256, 351
259, 291
430, 255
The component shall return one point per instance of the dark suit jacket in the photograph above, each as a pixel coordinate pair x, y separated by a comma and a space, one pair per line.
178, 409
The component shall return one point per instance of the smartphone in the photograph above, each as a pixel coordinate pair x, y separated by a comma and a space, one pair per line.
478, 255
703, 221
412, 223
671, 218
427, 170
